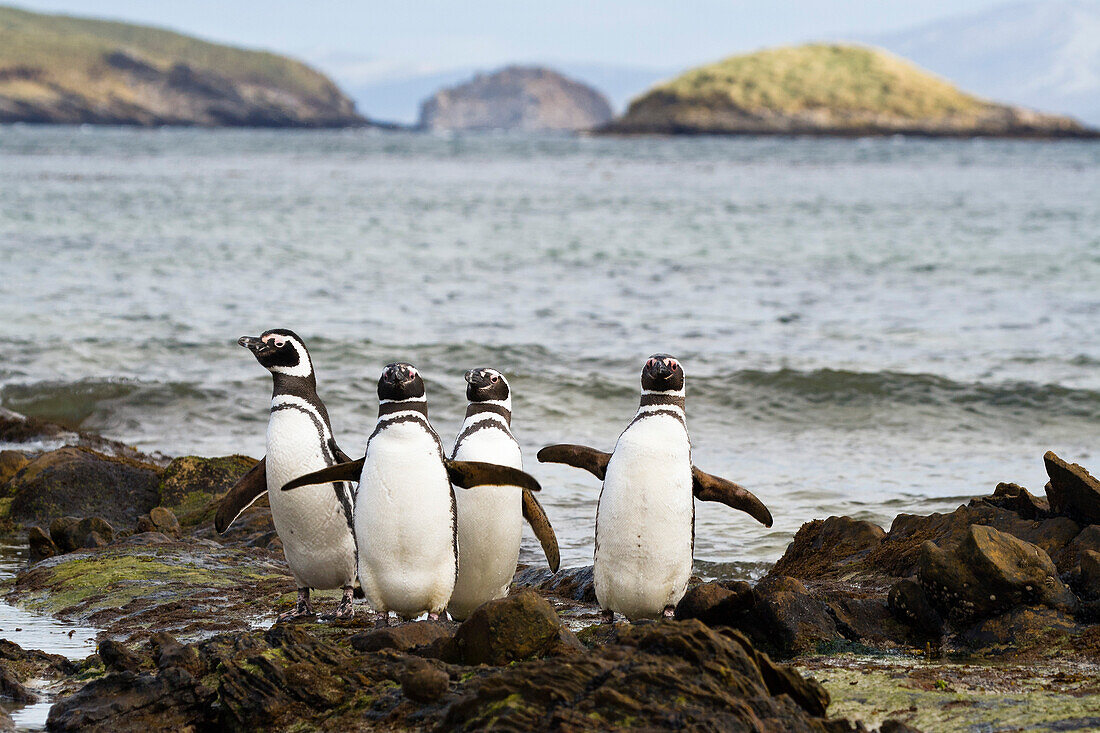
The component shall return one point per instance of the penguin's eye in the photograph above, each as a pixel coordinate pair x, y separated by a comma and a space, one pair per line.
494, 379
279, 343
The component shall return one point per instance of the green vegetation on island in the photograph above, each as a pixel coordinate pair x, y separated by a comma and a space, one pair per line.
827, 89
56, 68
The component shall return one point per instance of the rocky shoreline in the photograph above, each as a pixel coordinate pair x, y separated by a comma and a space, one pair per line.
984, 618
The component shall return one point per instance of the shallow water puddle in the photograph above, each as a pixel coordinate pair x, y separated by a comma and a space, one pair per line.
32, 630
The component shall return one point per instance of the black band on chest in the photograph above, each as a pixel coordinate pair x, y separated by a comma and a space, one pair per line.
389, 408
662, 399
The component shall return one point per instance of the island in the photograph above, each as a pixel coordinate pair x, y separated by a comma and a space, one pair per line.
62, 69
828, 90
531, 99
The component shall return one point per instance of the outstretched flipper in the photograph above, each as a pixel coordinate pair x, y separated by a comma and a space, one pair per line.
341, 456
350, 471
714, 488
248, 489
580, 456
540, 523
467, 474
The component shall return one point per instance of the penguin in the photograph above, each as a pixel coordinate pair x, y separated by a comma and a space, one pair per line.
405, 510
490, 520
645, 517
315, 525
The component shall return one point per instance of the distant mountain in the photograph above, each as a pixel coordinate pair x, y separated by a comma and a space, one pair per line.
528, 98
397, 98
827, 89
1043, 54
57, 68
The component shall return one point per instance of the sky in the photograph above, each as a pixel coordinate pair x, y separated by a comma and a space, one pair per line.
369, 41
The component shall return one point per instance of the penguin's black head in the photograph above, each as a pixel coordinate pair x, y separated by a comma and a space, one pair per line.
486, 384
281, 351
400, 381
662, 373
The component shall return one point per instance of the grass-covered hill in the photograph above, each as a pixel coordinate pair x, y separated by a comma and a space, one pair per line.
56, 68
827, 89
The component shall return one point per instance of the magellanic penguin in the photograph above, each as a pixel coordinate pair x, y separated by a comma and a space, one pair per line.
405, 520
645, 519
315, 525
490, 520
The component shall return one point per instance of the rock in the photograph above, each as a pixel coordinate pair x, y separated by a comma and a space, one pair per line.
1023, 627
7, 725
1087, 539
423, 682
117, 657
716, 685
518, 627
793, 620
1019, 500
864, 620
910, 605
71, 533
1072, 491
716, 603
822, 546
190, 485
516, 98
168, 652
12, 689
575, 584
81, 482
11, 461
988, 573
160, 520
1089, 582
41, 546
170, 700
403, 638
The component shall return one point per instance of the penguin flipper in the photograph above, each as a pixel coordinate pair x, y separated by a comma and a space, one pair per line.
341, 456
350, 471
540, 523
468, 474
248, 489
714, 488
580, 456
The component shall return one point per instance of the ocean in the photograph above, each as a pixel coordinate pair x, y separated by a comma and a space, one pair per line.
868, 327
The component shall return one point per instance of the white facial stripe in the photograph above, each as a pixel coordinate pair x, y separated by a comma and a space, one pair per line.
670, 392
304, 368
423, 398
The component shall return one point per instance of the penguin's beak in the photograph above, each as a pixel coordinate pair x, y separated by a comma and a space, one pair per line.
660, 369
251, 343
477, 378
398, 374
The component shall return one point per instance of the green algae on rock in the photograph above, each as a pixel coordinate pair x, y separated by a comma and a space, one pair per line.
190, 484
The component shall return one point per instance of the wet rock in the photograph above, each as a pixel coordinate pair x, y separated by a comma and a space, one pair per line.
864, 620
988, 573
1023, 627
574, 584
74, 481
403, 638
147, 539
7, 725
1072, 491
518, 627
71, 533
896, 726
423, 682
1089, 582
169, 700
782, 679
910, 605
716, 603
1018, 499
160, 520
899, 553
168, 652
1088, 539
41, 546
657, 676
12, 689
826, 545
11, 461
792, 620
117, 657
190, 485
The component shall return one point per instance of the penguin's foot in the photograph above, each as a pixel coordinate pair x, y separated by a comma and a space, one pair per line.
346, 610
608, 616
301, 609
433, 616
384, 618
670, 612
